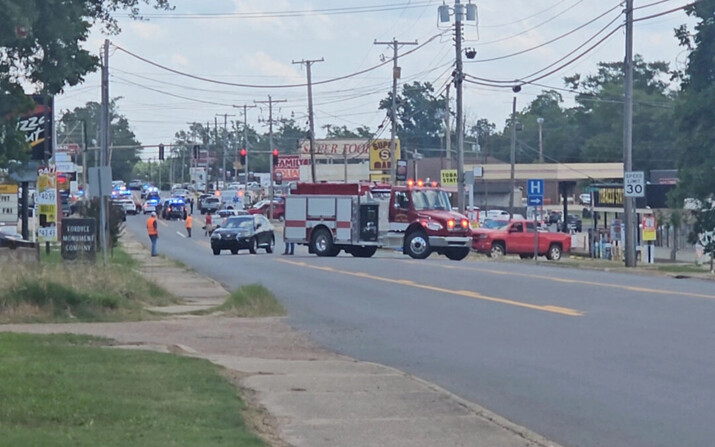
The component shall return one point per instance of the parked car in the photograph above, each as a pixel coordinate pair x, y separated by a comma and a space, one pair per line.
573, 222
518, 238
150, 205
135, 185
128, 205
585, 199
263, 207
248, 232
210, 204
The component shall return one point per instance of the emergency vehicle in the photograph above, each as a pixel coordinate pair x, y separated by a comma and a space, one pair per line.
360, 218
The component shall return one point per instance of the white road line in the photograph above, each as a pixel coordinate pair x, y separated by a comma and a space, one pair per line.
181, 234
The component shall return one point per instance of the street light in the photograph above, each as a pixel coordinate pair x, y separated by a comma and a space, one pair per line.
540, 121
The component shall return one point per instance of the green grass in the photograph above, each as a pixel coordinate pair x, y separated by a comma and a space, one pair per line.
252, 300
53, 291
68, 391
681, 268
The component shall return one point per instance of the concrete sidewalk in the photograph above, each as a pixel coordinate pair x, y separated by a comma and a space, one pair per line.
313, 398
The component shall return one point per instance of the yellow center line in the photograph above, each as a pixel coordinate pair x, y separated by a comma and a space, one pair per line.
576, 281
465, 293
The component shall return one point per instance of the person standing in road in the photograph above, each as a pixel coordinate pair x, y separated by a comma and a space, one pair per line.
289, 246
191, 204
151, 229
207, 225
188, 225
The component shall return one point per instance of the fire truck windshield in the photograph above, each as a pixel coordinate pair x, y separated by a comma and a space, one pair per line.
430, 199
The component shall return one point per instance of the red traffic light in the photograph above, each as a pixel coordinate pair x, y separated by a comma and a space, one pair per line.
275, 157
243, 152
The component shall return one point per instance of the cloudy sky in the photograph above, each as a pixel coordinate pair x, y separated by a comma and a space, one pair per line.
253, 43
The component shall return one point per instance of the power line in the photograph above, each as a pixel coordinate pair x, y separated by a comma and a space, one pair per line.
234, 84
670, 11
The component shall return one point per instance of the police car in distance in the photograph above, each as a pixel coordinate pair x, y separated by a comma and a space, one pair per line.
173, 209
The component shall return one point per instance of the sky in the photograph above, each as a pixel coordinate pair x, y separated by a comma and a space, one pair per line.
255, 43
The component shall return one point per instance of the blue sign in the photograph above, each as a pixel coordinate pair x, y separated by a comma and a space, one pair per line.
535, 200
535, 187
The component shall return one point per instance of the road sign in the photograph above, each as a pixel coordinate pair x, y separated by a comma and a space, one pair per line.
535, 200
65, 166
535, 187
634, 184
448, 177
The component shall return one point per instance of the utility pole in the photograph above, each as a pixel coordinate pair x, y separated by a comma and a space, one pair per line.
311, 136
540, 122
225, 147
512, 158
448, 130
628, 202
393, 111
270, 103
245, 146
458, 77
104, 145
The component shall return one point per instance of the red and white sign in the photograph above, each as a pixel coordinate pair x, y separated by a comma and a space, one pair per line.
648, 229
69, 148
354, 149
289, 167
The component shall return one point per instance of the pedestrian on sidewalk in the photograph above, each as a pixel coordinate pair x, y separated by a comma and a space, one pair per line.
188, 225
152, 230
289, 246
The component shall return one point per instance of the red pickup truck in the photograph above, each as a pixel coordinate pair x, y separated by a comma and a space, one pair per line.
517, 237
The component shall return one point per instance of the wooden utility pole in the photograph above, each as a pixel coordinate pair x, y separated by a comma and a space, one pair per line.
393, 110
311, 135
270, 103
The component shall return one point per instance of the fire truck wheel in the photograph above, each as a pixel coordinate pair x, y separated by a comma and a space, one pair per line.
457, 254
322, 243
417, 245
252, 246
362, 252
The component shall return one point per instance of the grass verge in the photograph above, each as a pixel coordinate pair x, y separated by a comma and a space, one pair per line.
67, 390
53, 291
252, 300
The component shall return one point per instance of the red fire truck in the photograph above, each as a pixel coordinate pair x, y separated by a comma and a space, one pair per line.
360, 218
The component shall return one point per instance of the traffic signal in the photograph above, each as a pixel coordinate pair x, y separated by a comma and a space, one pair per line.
275, 157
161, 152
243, 157
196, 151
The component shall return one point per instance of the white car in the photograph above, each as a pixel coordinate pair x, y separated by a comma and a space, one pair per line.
128, 205
585, 199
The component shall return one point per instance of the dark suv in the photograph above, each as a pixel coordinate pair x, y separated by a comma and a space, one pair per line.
173, 209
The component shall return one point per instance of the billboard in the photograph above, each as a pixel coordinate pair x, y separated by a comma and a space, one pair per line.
8, 204
289, 167
79, 239
352, 148
36, 125
381, 156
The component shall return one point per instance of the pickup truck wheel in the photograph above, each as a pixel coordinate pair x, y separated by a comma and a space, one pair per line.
554, 253
322, 243
457, 254
271, 244
216, 251
497, 250
417, 245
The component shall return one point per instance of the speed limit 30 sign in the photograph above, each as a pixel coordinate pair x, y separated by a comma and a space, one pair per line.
634, 184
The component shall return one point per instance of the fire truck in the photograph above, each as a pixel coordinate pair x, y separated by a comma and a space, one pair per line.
360, 218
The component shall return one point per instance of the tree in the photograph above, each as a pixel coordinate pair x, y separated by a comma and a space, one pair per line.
599, 114
693, 121
344, 132
419, 117
41, 47
121, 160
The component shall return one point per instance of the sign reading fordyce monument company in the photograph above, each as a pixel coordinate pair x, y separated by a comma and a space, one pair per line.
79, 239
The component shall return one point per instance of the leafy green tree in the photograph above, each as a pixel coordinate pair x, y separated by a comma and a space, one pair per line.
419, 117
694, 124
344, 132
599, 115
123, 158
41, 46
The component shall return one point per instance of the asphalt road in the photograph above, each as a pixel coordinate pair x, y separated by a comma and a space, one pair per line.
583, 358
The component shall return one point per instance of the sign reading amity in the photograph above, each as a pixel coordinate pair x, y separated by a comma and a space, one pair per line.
79, 239
289, 167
